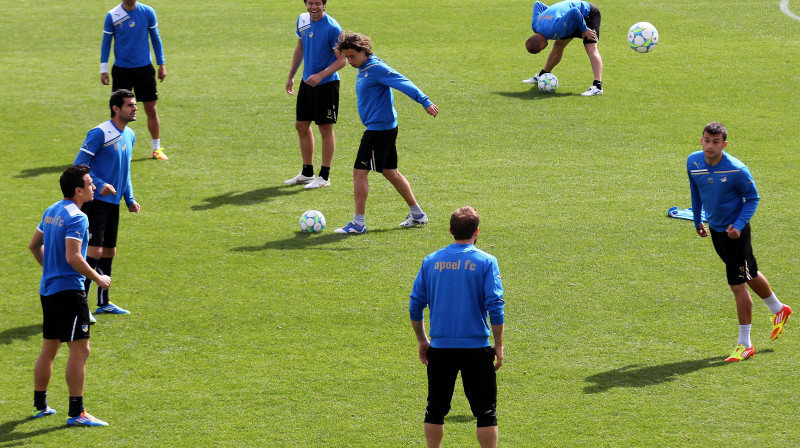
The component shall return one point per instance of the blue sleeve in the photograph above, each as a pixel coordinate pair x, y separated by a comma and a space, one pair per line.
76, 227
493, 293
92, 144
750, 194
158, 49
575, 15
108, 34
399, 82
697, 203
538, 8
128, 194
419, 296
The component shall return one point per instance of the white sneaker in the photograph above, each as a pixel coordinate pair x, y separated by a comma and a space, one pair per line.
532, 80
299, 179
318, 183
411, 221
593, 90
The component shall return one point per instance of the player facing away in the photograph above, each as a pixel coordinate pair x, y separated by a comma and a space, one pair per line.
108, 149
460, 285
377, 151
59, 245
723, 185
318, 97
130, 25
562, 22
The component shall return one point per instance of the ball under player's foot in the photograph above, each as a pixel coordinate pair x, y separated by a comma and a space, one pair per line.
159, 154
778, 320
740, 353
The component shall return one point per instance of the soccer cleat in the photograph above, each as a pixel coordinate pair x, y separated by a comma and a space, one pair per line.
85, 419
532, 80
411, 221
159, 154
92, 320
778, 320
351, 227
318, 183
43, 413
299, 179
593, 90
110, 308
741, 353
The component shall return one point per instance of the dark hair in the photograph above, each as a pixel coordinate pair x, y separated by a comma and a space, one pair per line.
118, 99
716, 128
324, 2
72, 178
354, 41
464, 222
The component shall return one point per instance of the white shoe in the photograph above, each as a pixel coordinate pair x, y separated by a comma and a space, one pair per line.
299, 179
411, 221
318, 183
593, 90
532, 80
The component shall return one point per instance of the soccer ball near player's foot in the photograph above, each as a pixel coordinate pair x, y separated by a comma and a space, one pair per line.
312, 221
643, 37
548, 83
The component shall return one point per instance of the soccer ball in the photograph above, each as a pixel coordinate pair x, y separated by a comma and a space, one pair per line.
643, 37
548, 83
312, 221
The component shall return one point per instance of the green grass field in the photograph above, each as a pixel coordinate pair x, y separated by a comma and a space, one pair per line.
245, 332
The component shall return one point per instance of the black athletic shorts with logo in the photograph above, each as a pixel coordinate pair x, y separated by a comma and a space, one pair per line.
478, 375
140, 80
103, 223
319, 104
740, 263
377, 151
65, 316
592, 22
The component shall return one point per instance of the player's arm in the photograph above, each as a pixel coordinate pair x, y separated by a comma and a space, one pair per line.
158, 47
76, 260
497, 333
105, 49
36, 246
399, 82
297, 58
423, 344
92, 144
697, 207
417, 302
493, 300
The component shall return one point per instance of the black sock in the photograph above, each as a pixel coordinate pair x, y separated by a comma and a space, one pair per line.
103, 268
75, 406
88, 282
324, 172
40, 399
308, 170
543, 72
598, 84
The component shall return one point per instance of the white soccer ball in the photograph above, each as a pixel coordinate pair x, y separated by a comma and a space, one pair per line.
312, 221
643, 37
548, 83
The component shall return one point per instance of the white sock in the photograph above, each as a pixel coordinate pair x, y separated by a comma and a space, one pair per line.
775, 306
360, 220
416, 211
744, 335
156, 143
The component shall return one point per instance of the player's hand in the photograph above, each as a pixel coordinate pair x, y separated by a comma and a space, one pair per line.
162, 73
104, 78
733, 232
589, 34
134, 208
423, 351
107, 190
702, 230
314, 80
104, 282
289, 86
432, 110
498, 353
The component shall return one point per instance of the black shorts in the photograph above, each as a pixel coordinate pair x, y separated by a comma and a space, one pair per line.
65, 316
740, 263
103, 223
140, 80
479, 378
319, 104
377, 151
592, 22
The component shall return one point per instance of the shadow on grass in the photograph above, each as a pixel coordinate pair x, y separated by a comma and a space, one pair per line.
248, 197
33, 172
302, 240
21, 333
536, 95
637, 376
9, 436
460, 418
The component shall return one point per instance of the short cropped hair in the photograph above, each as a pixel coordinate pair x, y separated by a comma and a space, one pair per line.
464, 222
354, 41
715, 128
72, 178
118, 99
324, 2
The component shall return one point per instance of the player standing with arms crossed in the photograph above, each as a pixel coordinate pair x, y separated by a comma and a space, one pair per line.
723, 185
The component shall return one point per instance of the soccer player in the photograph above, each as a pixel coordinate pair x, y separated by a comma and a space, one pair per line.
377, 151
59, 245
318, 98
108, 149
562, 22
460, 284
129, 25
723, 185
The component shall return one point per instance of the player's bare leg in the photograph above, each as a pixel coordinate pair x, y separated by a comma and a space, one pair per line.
306, 136
555, 54
400, 184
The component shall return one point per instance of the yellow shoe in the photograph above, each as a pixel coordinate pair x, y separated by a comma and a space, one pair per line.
778, 320
740, 353
159, 154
